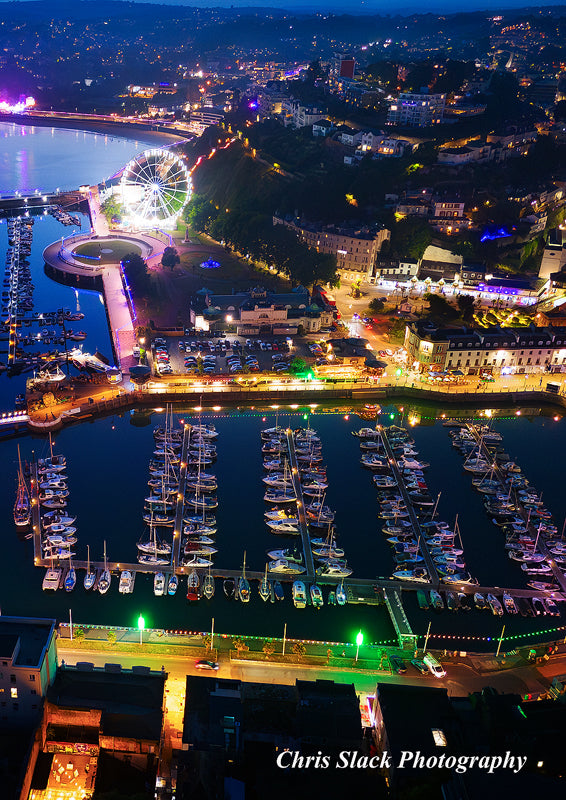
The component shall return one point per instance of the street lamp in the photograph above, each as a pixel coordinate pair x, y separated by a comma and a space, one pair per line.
359, 642
141, 627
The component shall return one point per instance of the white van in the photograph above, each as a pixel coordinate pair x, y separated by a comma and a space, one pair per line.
435, 667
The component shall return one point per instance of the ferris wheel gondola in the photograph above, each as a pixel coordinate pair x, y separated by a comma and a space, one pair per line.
155, 186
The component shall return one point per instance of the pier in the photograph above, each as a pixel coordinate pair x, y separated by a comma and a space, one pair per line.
407, 639
180, 507
430, 565
310, 574
38, 559
484, 452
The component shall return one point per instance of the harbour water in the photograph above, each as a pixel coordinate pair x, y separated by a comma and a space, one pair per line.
108, 471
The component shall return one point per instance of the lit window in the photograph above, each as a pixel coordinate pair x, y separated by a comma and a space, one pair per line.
14, 693
439, 737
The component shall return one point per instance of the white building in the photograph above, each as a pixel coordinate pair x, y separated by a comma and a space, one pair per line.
417, 110
203, 118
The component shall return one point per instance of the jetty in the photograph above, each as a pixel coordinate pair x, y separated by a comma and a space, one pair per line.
310, 574
418, 534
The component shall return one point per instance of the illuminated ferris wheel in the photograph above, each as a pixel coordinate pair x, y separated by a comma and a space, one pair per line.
155, 186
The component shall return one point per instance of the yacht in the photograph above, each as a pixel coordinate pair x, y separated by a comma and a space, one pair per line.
208, 587
278, 590
52, 579
264, 588
316, 596
283, 567
509, 603
495, 605
90, 575
277, 496
159, 584
193, 584
22, 506
295, 555
243, 586
334, 569
289, 526
196, 561
299, 594
126, 584
341, 596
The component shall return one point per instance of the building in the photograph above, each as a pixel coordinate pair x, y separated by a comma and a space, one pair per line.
472, 274
554, 254
495, 350
413, 208
203, 118
392, 269
411, 110
389, 147
28, 663
322, 128
471, 153
259, 311
297, 115
99, 725
355, 248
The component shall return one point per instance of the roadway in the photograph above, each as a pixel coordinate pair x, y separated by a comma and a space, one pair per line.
463, 676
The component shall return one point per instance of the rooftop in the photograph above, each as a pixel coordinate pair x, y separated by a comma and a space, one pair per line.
33, 634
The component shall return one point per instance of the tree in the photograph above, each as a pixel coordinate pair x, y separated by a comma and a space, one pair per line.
79, 633
376, 305
466, 305
410, 238
170, 257
111, 636
240, 645
297, 366
112, 209
299, 649
136, 273
439, 307
269, 648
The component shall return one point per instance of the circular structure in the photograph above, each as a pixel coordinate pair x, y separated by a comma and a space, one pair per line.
155, 186
210, 264
103, 251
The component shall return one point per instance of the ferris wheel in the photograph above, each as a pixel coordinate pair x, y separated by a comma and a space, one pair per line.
155, 186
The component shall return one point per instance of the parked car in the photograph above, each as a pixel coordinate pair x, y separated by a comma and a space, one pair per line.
204, 663
398, 665
419, 666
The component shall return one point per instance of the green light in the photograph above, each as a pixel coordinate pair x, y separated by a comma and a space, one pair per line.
398, 371
392, 416
305, 416
359, 639
141, 623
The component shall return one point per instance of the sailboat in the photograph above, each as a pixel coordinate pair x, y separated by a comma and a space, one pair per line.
153, 551
209, 586
22, 506
243, 591
90, 576
104, 580
193, 583
70, 578
264, 588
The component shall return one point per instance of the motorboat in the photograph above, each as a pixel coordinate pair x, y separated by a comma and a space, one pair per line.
480, 602
289, 526
538, 606
59, 519
366, 433
294, 555
274, 496
329, 551
159, 584
198, 501
197, 561
299, 594
172, 585
278, 590
153, 559
418, 575
509, 603
284, 567
194, 529
203, 519
384, 481
333, 569
317, 599
495, 605
198, 548
550, 606
126, 583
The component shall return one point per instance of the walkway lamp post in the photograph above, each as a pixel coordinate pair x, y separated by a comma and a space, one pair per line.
359, 642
